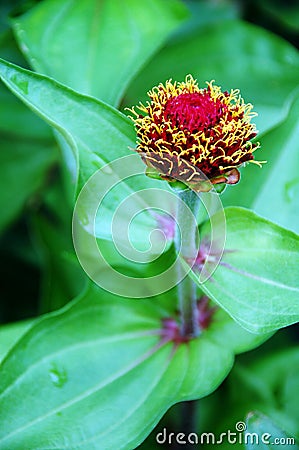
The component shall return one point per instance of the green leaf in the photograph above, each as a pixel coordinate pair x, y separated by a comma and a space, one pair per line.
279, 190
235, 54
89, 126
96, 46
266, 434
98, 134
256, 281
273, 190
104, 375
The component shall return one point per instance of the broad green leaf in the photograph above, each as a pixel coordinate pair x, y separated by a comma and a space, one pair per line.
273, 190
263, 434
234, 54
104, 376
96, 46
256, 281
97, 134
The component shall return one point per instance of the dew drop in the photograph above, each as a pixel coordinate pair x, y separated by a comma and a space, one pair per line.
58, 376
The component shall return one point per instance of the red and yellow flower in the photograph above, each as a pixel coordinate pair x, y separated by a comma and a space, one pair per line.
191, 134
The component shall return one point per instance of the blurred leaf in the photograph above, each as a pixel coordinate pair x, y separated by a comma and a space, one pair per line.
235, 54
256, 281
63, 277
285, 14
9, 50
23, 170
5, 8
104, 375
96, 46
18, 121
206, 13
273, 190
267, 434
11, 7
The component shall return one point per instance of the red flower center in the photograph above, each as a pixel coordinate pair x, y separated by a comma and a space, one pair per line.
194, 112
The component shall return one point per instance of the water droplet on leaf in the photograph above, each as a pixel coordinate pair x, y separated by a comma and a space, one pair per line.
58, 376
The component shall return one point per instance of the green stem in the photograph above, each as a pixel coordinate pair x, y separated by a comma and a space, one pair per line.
189, 413
185, 243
